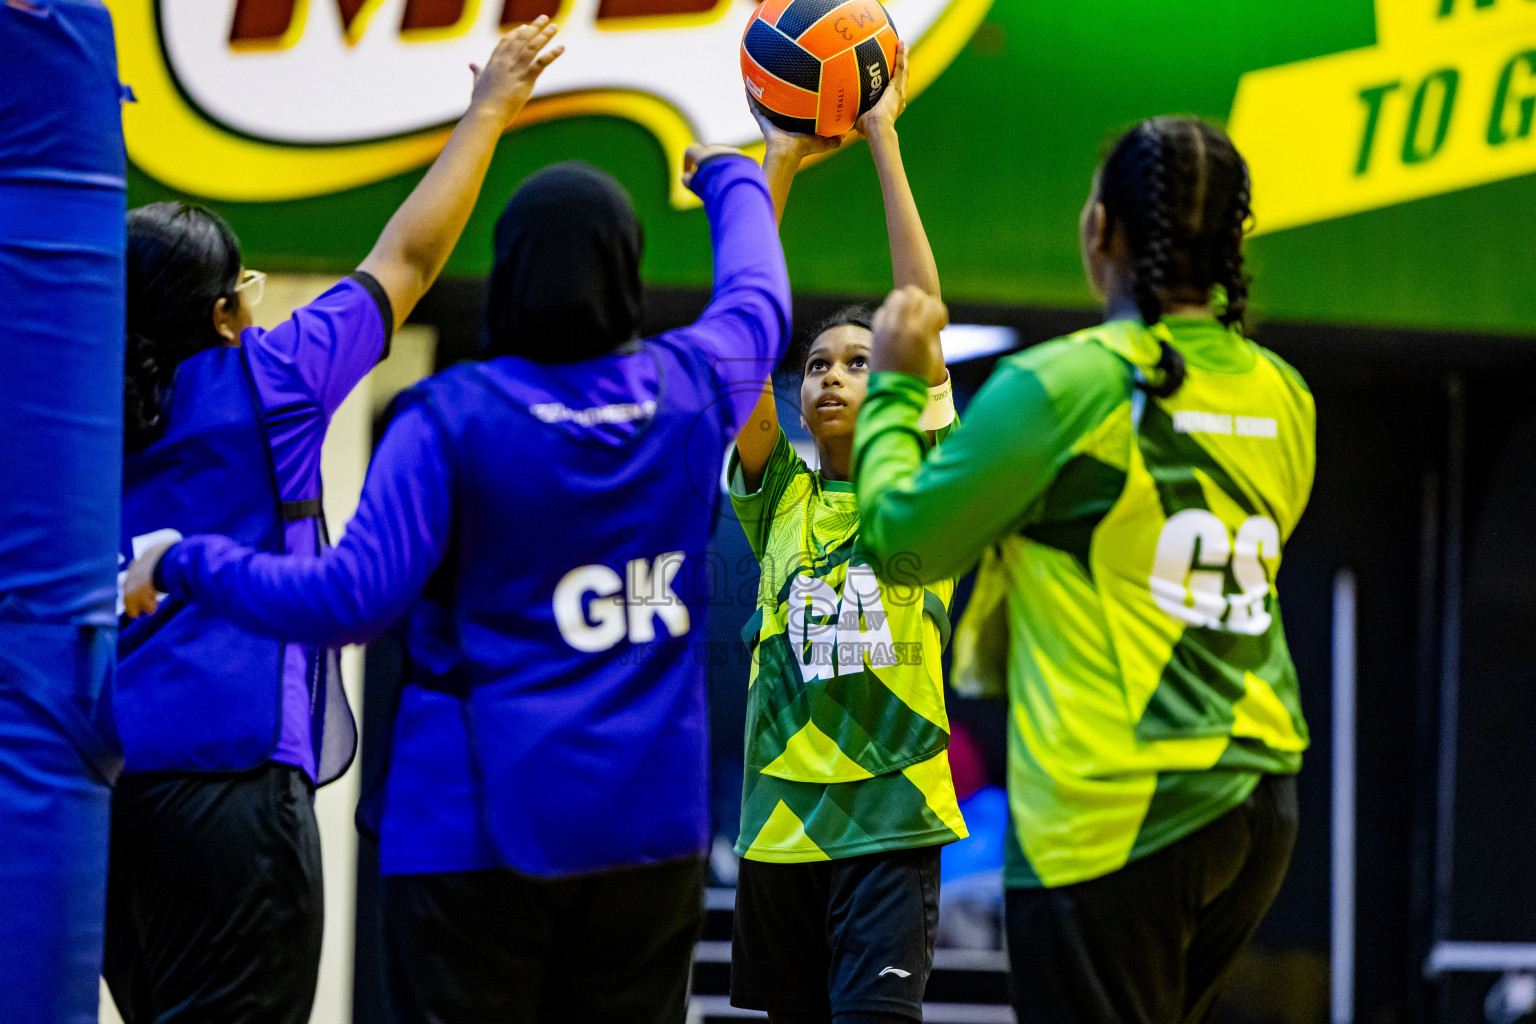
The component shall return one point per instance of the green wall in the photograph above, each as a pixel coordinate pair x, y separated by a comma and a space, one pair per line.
1000, 150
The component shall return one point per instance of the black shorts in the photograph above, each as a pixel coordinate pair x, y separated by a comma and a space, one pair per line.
1154, 942
469, 947
840, 936
214, 899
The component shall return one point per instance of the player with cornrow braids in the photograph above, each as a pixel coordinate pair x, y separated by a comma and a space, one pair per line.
1128, 491
1232, 277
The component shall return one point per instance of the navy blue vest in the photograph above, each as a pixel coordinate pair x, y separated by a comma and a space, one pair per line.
194, 692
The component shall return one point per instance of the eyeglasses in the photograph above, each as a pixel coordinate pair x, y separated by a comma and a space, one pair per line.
254, 284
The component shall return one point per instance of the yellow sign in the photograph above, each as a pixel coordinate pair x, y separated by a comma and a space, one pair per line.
264, 100
1445, 100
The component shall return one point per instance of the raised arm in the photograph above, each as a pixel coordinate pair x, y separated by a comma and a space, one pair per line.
940, 513
418, 239
746, 325
754, 444
911, 256
783, 154
355, 590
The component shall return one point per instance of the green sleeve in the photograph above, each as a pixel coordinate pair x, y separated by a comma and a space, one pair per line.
754, 509
971, 491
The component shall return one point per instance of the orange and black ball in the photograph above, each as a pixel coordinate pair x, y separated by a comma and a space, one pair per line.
814, 66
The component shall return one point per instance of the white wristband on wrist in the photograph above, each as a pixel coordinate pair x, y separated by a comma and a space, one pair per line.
940, 411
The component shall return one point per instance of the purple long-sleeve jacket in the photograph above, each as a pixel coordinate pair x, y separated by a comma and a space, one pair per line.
579, 468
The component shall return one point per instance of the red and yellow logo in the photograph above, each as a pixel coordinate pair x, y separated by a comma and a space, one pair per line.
262, 100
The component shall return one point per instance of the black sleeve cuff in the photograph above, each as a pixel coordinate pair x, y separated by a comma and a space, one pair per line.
381, 299
157, 578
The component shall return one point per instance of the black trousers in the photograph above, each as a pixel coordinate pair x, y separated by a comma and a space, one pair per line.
214, 901
495, 947
1154, 942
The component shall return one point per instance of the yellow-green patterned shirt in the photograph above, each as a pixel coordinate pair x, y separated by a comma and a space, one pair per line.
1126, 593
847, 737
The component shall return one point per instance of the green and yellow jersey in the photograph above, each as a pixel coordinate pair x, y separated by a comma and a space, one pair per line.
1128, 548
847, 737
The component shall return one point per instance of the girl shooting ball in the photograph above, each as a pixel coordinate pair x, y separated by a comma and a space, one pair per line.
847, 796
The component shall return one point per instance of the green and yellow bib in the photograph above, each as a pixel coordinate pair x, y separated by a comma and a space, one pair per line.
846, 733
1134, 613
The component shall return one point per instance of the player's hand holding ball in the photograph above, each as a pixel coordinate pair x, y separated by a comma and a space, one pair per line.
906, 333
881, 118
814, 68
792, 146
878, 121
505, 83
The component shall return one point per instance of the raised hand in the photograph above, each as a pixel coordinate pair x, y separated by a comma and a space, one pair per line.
507, 80
906, 333
892, 102
794, 145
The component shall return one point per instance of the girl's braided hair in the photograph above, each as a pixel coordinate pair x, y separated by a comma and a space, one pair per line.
1180, 189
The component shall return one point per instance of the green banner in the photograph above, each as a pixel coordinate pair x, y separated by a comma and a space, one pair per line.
1391, 142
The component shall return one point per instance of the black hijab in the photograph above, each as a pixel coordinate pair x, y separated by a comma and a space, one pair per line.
566, 285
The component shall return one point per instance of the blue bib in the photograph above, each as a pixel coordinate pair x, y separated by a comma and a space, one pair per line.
565, 618
194, 692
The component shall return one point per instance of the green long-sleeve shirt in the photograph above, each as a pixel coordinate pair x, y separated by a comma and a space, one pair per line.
982, 480
1128, 550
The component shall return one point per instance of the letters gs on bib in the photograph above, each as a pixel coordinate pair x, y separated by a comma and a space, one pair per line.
1195, 552
595, 609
